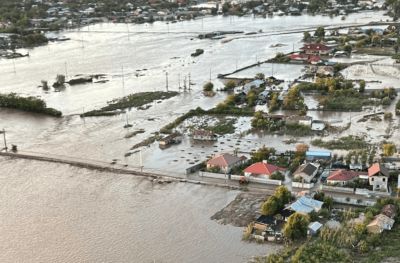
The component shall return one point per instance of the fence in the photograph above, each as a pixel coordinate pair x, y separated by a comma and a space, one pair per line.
214, 175
239, 177
337, 189
302, 185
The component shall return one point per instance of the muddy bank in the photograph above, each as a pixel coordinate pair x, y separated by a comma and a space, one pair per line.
241, 211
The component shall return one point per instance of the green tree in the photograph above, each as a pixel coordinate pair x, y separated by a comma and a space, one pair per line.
328, 202
270, 207
320, 32
388, 149
283, 195
306, 36
208, 87
230, 85
260, 76
362, 86
348, 48
262, 154
251, 98
296, 226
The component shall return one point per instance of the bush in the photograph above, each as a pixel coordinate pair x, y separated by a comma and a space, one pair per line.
388, 116
230, 85
277, 176
208, 87
317, 252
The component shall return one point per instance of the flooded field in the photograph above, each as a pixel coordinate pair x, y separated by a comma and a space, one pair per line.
95, 217
55, 213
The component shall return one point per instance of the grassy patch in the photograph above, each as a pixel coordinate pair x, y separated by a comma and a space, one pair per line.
344, 143
223, 127
389, 247
297, 130
378, 51
131, 101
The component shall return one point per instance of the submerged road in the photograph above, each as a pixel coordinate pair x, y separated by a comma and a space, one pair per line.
158, 175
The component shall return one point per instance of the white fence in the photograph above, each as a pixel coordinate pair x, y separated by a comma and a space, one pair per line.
214, 175
354, 200
236, 177
337, 189
302, 185
253, 179
366, 192
264, 181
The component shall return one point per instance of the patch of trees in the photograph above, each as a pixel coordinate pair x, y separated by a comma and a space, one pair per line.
28, 104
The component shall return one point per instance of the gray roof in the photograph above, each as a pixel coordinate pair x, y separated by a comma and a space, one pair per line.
315, 226
306, 205
308, 169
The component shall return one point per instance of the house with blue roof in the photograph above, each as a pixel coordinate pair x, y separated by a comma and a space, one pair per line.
318, 155
306, 205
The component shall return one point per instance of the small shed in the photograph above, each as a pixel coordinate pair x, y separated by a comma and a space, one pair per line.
313, 228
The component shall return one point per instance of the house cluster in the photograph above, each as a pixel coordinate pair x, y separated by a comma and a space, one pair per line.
376, 178
288, 7
312, 53
132, 12
225, 162
269, 227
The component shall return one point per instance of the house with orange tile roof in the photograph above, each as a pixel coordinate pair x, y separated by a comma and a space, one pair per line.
262, 170
225, 162
378, 177
341, 177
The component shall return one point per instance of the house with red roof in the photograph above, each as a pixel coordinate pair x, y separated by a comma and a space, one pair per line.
316, 49
225, 162
378, 177
342, 177
262, 169
305, 58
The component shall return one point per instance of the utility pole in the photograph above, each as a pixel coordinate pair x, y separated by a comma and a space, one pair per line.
66, 70
166, 80
4, 138
141, 161
210, 74
190, 82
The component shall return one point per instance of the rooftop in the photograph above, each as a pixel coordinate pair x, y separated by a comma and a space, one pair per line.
342, 175
224, 160
377, 168
263, 168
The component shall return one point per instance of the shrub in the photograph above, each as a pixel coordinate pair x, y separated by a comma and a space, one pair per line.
208, 87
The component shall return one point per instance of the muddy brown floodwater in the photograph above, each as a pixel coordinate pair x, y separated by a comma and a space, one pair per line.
57, 213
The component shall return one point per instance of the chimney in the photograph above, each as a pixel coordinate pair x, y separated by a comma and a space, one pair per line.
265, 161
